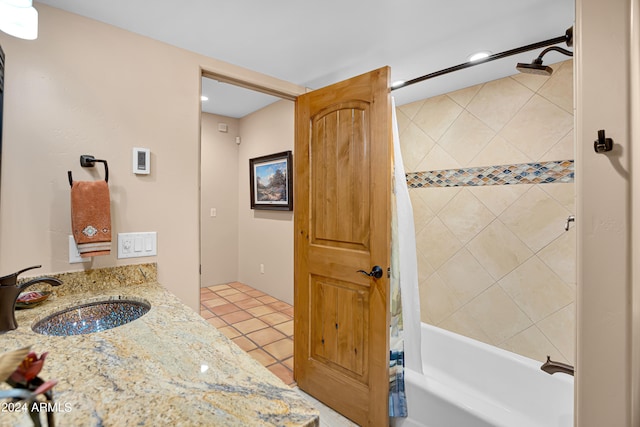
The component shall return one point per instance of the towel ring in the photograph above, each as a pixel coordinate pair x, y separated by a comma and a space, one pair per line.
88, 161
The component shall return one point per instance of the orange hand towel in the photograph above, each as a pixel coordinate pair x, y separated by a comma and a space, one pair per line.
91, 217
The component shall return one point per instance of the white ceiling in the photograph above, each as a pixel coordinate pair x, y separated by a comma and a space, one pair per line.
317, 43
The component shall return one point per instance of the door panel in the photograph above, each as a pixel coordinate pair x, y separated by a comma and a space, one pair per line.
343, 161
339, 317
340, 202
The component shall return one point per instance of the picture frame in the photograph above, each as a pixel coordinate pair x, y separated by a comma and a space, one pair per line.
271, 182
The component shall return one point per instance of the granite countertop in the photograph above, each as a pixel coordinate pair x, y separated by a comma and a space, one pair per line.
169, 367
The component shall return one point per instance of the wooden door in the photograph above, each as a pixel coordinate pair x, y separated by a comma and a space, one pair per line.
342, 159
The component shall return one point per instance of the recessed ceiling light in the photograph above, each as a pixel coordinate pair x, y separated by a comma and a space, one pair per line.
479, 55
397, 83
204, 98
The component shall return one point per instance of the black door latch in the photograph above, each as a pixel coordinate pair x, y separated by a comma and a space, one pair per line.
376, 272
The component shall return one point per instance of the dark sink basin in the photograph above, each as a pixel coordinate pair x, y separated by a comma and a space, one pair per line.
92, 317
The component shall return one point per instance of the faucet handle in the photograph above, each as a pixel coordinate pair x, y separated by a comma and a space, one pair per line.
11, 279
570, 218
33, 267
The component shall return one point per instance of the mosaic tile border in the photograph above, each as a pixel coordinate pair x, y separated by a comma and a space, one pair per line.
560, 171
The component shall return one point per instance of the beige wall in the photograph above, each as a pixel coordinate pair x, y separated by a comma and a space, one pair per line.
265, 237
495, 263
235, 243
87, 88
219, 191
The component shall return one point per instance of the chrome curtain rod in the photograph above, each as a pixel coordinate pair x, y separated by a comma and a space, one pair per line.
489, 58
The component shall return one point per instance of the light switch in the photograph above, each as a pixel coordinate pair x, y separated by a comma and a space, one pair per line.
133, 245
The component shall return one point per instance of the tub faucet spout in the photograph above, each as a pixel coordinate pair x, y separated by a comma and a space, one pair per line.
551, 367
9, 292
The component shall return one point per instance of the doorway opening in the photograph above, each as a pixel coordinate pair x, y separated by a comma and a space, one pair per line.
246, 256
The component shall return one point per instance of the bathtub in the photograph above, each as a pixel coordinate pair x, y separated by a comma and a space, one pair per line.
467, 383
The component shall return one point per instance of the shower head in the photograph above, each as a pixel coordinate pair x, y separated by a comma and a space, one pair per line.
536, 66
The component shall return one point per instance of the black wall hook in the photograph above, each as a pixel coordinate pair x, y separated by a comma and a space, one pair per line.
88, 161
602, 144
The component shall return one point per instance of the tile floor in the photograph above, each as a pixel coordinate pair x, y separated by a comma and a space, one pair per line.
258, 323
263, 327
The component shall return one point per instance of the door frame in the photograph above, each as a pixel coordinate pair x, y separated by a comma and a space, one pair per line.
607, 388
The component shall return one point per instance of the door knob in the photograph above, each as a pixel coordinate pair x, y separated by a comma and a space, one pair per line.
376, 272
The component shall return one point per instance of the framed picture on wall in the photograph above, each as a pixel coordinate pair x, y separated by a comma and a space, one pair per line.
271, 179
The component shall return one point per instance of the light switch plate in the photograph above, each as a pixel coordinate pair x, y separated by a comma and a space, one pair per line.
135, 245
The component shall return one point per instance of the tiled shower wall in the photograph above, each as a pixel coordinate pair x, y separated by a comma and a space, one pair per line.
495, 262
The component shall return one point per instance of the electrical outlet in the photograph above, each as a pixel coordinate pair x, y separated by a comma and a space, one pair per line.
74, 255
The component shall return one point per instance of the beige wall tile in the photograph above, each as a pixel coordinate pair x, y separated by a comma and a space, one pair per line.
536, 218
422, 214
463, 323
464, 276
466, 216
498, 250
537, 127
436, 115
459, 269
411, 109
437, 243
499, 197
563, 193
532, 81
559, 88
464, 96
562, 150
465, 138
424, 267
498, 102
533, 344
437, 300
424, 314
499, 152
437, 159
561, 331
414, 146
403, 120
437, 198
536, 289
560, 256
497, 315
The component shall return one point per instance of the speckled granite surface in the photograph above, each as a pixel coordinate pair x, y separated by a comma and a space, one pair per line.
169, 367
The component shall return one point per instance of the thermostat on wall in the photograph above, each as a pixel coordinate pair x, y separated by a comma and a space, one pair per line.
141, 161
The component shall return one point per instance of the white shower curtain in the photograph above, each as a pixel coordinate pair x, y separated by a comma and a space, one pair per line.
406, 253
405, 339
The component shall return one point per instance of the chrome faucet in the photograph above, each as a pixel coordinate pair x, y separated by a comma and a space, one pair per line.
551, 367
9, 292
